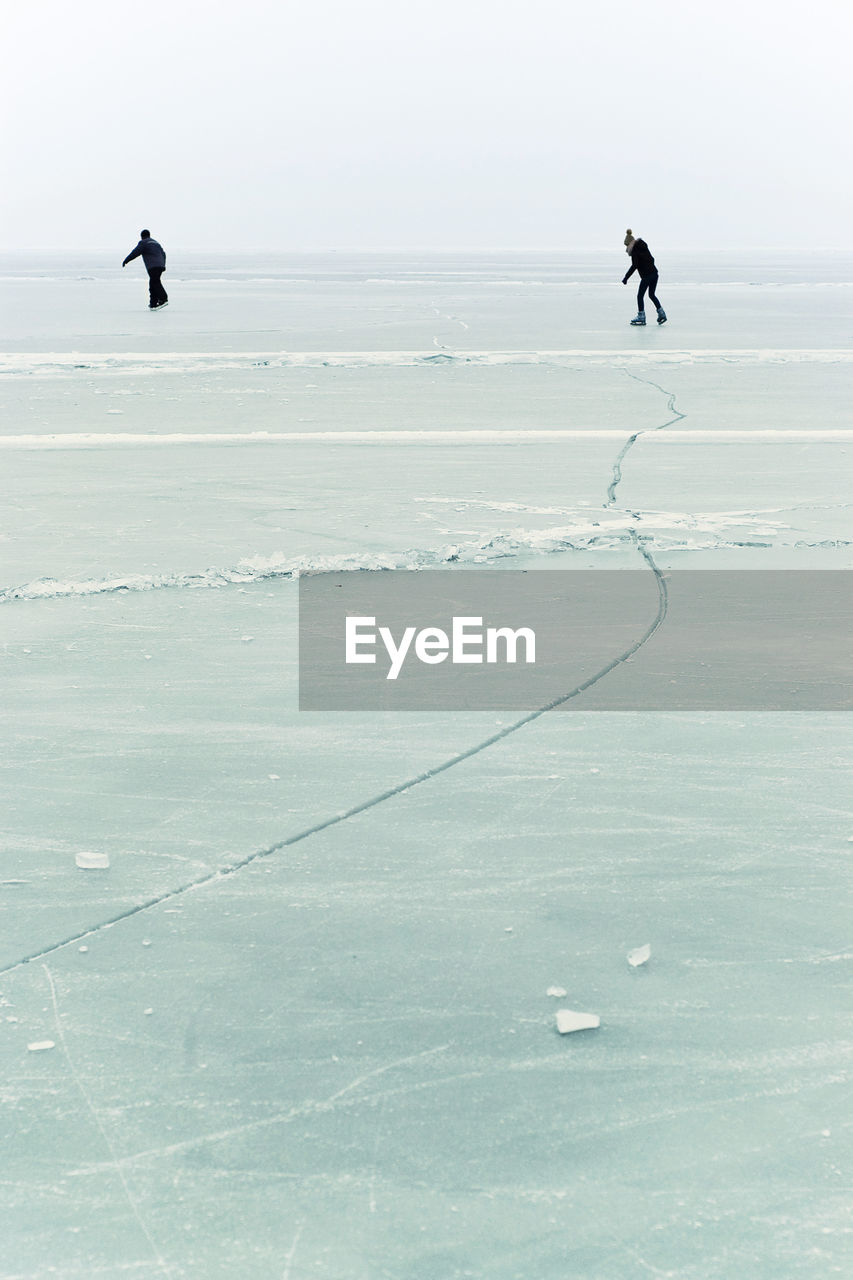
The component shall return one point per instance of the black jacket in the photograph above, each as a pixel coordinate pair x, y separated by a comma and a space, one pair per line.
641, 260
152, 253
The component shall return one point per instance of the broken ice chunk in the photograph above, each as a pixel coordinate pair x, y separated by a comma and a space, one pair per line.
93, 861
639, 955
570, 1020
38, 1045
557, 991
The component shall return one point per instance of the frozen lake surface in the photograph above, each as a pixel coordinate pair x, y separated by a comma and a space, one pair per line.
300, 1028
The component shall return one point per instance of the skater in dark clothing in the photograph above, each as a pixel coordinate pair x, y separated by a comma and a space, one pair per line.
154, 257
643, 263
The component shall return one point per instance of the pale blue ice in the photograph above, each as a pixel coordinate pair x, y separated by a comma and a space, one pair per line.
300, 1027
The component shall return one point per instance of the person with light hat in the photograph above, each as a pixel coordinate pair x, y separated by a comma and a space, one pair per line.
644, 264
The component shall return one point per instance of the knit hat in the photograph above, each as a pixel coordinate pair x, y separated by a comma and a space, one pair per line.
629, 236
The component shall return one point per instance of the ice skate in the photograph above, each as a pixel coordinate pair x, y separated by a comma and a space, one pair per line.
661, 316
639, 318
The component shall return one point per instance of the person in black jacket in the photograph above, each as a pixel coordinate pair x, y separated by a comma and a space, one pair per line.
154, 257
643, 263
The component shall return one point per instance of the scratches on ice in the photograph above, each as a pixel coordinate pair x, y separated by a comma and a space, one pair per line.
162, 1265
288, 1261
311, 1107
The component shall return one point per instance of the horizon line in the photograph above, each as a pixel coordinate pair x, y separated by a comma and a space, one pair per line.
433, 249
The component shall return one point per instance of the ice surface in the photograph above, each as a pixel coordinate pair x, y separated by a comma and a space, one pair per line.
330, 1060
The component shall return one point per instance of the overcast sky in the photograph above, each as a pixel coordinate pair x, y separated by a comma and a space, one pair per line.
283, 124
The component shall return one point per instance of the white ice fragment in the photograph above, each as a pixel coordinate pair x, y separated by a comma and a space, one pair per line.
559, 992
148, 1012
11, 1018
38, 1045
570, 1020
146, 942
508, 929
247, 639
93, 861
639, 955
82, 948
274, 777
595, 771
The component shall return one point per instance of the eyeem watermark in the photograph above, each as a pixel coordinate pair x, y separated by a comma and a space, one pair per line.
594, 640
466, 643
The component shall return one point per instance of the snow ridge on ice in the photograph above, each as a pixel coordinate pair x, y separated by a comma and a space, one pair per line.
61, 362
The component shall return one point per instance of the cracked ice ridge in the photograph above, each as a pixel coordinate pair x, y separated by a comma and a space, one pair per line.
612, 529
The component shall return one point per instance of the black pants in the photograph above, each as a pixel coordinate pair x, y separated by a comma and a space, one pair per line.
647, 282
156, 291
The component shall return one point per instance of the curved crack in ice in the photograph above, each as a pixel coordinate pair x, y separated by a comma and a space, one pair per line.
632, 439
326, 824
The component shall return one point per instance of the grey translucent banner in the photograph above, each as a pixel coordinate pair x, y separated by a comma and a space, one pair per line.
608, 640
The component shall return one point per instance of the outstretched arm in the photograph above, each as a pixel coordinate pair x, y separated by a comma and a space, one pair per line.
133, 255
